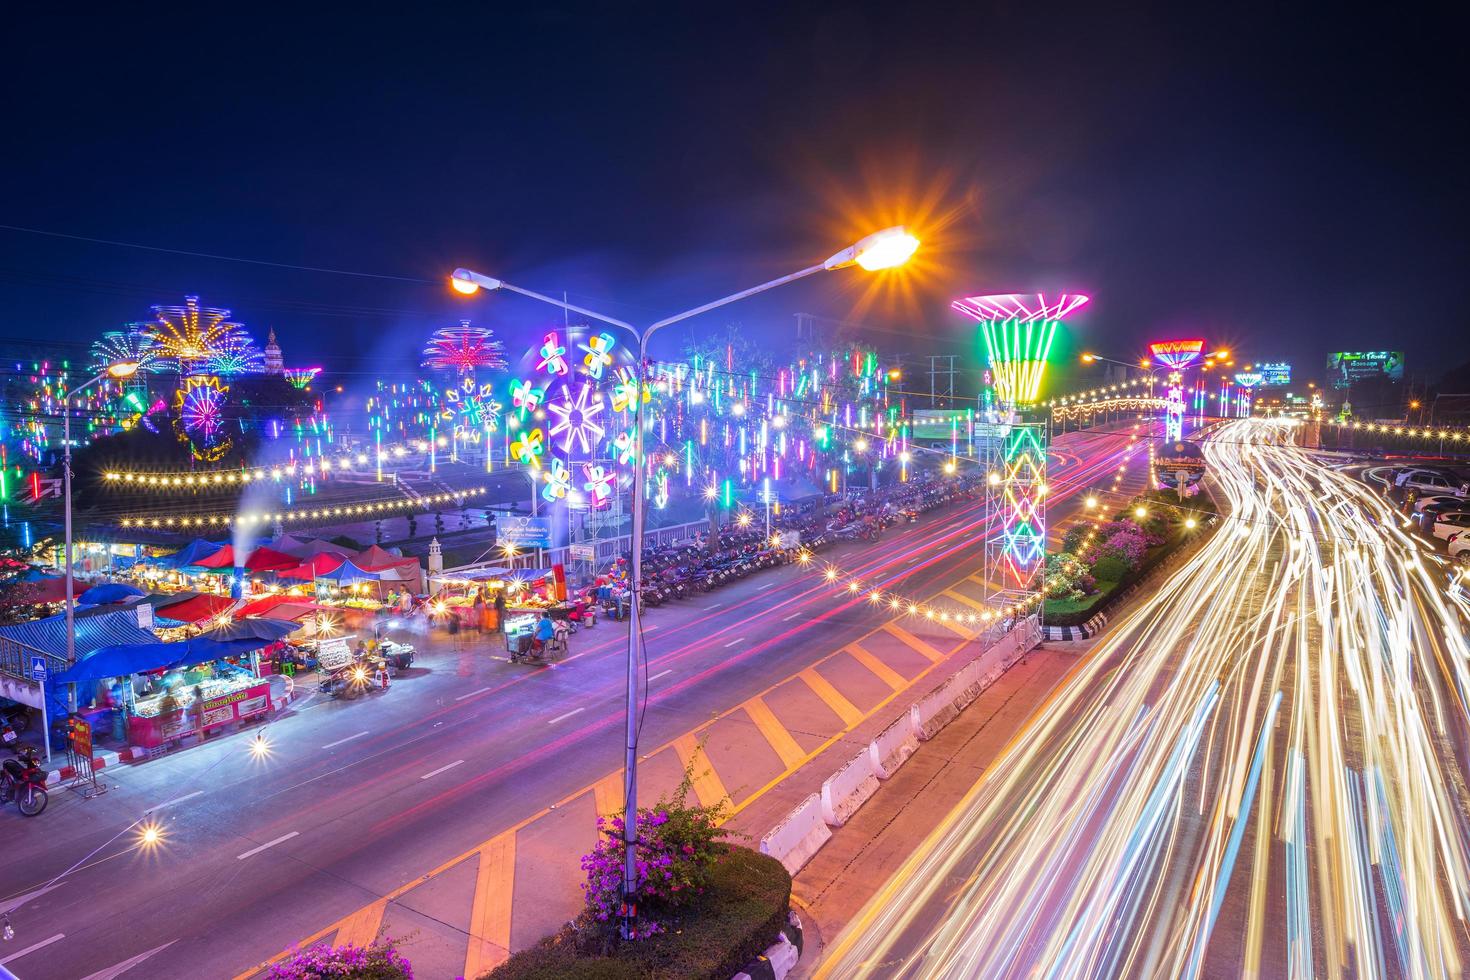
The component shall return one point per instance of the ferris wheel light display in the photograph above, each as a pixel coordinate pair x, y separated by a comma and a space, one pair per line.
464, 349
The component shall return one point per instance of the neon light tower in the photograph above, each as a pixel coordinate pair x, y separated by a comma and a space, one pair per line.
1247, 381
1017, 331
1178, 355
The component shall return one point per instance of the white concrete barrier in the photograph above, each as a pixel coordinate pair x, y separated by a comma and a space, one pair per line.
801, 834
892, 747
933, 711
847, 789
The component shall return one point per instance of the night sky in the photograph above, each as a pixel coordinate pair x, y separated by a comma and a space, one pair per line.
1287, 187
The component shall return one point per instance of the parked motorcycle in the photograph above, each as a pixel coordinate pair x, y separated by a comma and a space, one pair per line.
23, 780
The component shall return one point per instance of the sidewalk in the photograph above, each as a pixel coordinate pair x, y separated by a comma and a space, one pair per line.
865, 852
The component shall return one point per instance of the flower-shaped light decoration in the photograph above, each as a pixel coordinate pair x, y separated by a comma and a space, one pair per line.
526, 397
599, 354
529, 448
558, 481
578, 417
553, 355
599, 483
625, 447
625, 392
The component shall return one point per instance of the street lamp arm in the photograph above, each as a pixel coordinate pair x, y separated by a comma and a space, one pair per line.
734, 297
473, 278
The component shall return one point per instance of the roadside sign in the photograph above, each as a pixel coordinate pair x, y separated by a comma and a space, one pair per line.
524, 532
38, 667
582, 552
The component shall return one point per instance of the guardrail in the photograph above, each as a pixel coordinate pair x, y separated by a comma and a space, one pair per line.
15, 659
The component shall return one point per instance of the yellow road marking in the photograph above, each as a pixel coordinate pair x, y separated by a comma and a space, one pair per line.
490, 913
823, 689
361, 927
972, 603
707, 785
885, 673
607, 794
775, 733
914, 643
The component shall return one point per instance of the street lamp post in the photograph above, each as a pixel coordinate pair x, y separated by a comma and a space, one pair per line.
882, 250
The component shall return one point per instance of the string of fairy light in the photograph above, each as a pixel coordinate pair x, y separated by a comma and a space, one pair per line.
368, 509
1403, 431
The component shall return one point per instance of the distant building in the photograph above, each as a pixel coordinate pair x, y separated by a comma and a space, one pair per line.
274, 364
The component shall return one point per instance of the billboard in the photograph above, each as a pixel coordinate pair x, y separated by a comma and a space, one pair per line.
523, 532
939, 425
1275, 373
1346, 367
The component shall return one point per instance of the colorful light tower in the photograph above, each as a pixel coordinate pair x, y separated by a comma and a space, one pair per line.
1017, 331
1176, 355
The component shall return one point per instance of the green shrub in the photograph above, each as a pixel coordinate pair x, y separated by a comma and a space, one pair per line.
1072, 540
1109, 568
739, 913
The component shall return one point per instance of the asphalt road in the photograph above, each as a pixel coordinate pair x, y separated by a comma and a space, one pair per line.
357, 801
1258, 771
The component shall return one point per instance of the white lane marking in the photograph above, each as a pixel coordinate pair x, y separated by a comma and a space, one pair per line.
653, 627
714, 605
111, 972
791, 617
766, 586
10, 904
662, 673
279, 840
456, 762
574, 711
472, 693
31, 949
734, 641
178, 799
341, 740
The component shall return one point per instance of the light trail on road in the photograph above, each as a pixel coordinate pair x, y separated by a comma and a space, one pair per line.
1257, 773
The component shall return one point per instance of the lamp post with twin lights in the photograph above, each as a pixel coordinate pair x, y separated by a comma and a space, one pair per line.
885, 249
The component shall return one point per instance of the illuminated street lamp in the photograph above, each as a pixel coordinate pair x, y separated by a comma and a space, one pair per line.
116, 371
884, 249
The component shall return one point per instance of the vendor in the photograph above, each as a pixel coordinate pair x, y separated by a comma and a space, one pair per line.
545, 629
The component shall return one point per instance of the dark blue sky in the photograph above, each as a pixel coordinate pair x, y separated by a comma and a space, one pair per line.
1287, 184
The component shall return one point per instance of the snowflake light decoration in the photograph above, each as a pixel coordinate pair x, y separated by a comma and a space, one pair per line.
464, 349
577, 417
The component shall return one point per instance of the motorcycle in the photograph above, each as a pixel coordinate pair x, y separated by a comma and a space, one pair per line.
348, 681
24, 781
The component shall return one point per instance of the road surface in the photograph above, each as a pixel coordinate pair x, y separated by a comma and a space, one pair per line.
452, 809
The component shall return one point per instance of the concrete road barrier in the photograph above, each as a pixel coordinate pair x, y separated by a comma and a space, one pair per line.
892, 747
847, 789
801, 834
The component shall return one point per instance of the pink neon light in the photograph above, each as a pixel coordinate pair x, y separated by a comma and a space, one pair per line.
1025, 307
1163, 347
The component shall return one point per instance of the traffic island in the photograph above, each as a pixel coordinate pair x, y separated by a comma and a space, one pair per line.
741, 923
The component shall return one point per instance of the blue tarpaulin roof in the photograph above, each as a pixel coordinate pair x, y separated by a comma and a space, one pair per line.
191, 553
347, 573
95, 628
108, 592
132, 658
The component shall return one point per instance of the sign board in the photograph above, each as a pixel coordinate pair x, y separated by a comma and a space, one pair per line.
582, 552
789, 539
523, 532
145, 616
938, 424
1346, 367
38, 667
333, 653
1275, 373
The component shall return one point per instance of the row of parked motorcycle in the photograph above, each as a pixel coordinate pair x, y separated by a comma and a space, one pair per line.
679, 571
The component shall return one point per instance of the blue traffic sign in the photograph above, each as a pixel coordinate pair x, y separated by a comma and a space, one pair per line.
38, 666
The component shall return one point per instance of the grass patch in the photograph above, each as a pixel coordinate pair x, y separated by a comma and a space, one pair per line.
737, 917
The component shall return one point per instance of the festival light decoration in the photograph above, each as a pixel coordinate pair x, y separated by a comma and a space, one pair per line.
1174, 408
1177, 354
191, 336
300, 377
301, 515
1018, 331
464, 349
133, 344
577, 417
199, 405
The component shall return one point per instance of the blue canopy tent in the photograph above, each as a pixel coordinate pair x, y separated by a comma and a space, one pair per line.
347, 573
107, 593
95, 628
119, 660
191, 553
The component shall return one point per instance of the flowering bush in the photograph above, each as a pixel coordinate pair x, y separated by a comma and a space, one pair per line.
1126, 543
1067, 578
678, 844
375, 961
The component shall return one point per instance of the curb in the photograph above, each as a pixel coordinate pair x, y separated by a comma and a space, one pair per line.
1086, 631
802, 832
779, 959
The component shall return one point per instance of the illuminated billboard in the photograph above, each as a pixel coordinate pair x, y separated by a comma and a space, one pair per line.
1347, 367
937, 425
1275, 373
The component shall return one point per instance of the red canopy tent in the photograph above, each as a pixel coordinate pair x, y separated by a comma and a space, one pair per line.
265, 559
223, 558
196, 609
317, 565
40, 590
